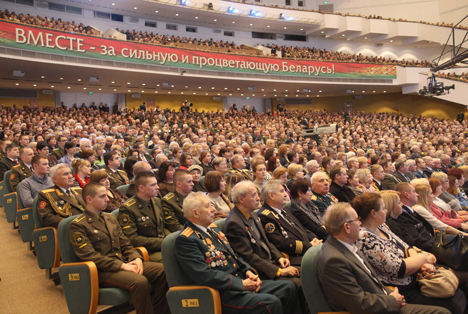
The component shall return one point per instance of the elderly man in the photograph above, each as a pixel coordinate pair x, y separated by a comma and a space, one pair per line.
322, 197
348, 280
141, 216
445, 163
207, 259
96, 236
23, 170
62, 200
238, 166
172, 202
401, 172
312, 167
282, 228
429, 169
39, 180
339, 183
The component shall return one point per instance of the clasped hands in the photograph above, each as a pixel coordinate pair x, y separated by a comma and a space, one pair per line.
135, 266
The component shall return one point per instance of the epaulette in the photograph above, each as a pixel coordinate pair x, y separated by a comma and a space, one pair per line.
79, 218
266, 212
187, 232
76, 188
213, 225
48, 191
16, 166
314, 197
169, 196
130, 202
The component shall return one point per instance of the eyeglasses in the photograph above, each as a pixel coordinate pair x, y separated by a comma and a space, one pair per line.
350, 221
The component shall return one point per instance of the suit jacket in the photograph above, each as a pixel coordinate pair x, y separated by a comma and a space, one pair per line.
428, 171
54, 205
116, 178
207, 262
343, 194
444, 168
104, 244
18, 174
285, 236
420, 174
347, 285
143, 224
401, 177
390, 181
247, 244
5, 165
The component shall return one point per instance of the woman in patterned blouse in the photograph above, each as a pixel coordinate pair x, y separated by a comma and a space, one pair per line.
392, 259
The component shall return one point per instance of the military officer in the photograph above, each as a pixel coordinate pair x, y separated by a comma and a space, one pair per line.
117, 177
96, 236
282, 228
23, 170
238, 166
61, 201
172, 202
321, 192
207, 259
141, 216
60, 151
10, 160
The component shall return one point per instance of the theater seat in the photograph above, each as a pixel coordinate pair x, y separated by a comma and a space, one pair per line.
311, 284
25, 220
220, 223
9, 200
123, 188
46, 245
80, 279
182, 297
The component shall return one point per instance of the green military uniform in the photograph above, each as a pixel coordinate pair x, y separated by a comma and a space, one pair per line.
143, 224
116, 178
244, 172
100, 239
172, 209
2, 154
18, 174
58, 153
323, 202
54, 205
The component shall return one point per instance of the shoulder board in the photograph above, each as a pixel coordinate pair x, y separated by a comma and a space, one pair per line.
187, 232
213, 225
79, 218
266, 212
48, 191
76, 189
314, 197
168, 196
15, 166
130, 202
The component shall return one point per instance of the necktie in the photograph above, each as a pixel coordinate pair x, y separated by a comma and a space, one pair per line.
304, 236
256, 234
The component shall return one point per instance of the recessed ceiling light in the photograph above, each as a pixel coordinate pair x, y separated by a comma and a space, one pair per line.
297, 91
129, 91
307, 95
157, 84
297, 95
17, 83
52, 86
143, 84
320, 91
128, 83
343, 35
196, 17
34, 85
264, 95
365, 37
172, 85
274, 90
302, 29
233, 22
353, 91
363, 91
142, 91
168, 92
135, 8
212, 88
391, 40
194, 93
225, 88
286, 95
285, 90
79, 80
215, 20
275, 95
177, 14
268, 25
238, 88
100, 89
318, 95
156, 11
251, 24
156, 91
113, 3
199, 86
384, 91
42, 76
206, 93
112, 82
322, 32
373, 91
68, 87
181, 92
230, 94
285, 27
61, 78
84, 87
219, 94
115, 90
253, 95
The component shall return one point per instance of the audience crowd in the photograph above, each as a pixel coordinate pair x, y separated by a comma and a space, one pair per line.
454, 76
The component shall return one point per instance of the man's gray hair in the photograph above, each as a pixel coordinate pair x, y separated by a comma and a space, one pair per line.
83, 140
140, 166
240, 189
236, 158
270, 187
159, 157
310, 163
315, 176
54, 170
191, 202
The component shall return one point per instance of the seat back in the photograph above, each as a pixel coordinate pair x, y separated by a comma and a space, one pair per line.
116, 213
123, 188
19, 200
37, 221
202, 180
174, 274
6, 182
220, 223
63, 235
310, 282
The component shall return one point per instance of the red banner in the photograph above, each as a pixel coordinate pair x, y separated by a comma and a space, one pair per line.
57, 42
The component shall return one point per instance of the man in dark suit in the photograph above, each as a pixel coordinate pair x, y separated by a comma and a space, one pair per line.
11, 159
207, 259
445, 163
142, 155
96, 236
420, 166
282, 228
141, 216
339, 187
401, 171
389, 180
429, 166
62, 200
348, 280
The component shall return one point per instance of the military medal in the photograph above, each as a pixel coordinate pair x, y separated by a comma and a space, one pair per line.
252, 240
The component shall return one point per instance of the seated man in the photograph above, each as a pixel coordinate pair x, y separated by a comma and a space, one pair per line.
117, 177
172, 202
39, 180
207, 259
137, 167
322, 197
389, 180
97, 237
238, 166
282, 228
348, 280
61, 201
23, 170
141, 216
11, 159
339, 183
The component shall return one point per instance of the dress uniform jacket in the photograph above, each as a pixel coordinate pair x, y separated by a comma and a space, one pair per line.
5, 165
378, 187
323, 201
54, 205
211, 262
18, 174
244, 172
254, 248
172, 210
143, 224
58, 153
291, 239
116, 178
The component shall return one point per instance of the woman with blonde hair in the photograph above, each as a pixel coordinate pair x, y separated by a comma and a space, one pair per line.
99, 151
429, 210
82, 170
281, 173
295, 171
365, 179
